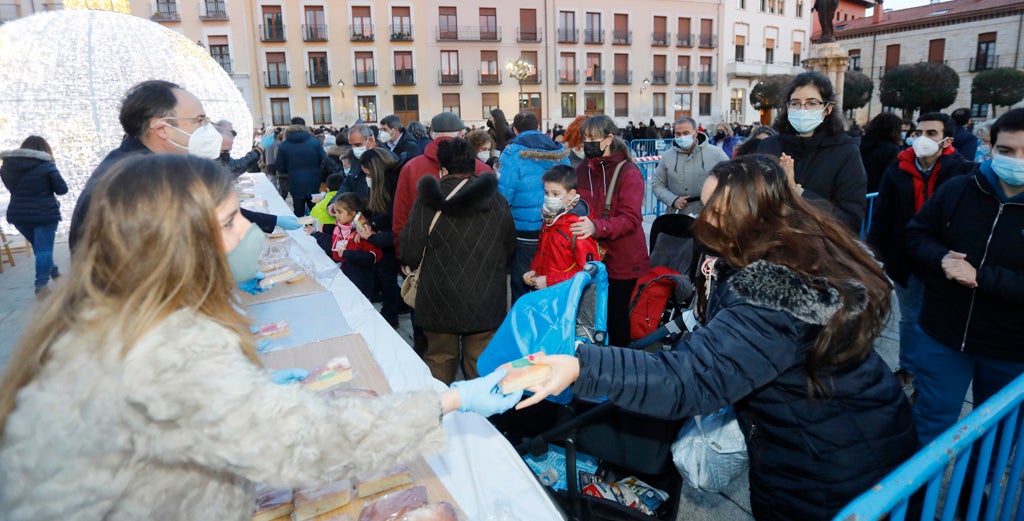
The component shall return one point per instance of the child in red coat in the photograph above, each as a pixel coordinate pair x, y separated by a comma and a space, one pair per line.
560, 254
348, 243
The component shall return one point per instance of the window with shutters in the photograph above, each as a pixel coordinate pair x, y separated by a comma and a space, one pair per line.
937, 50
704, 101
315, 28
567, 27
272, 29
658, 107
621, 104
593, 33
488, 102
854, 59
892, 56
684, 35
621, 35
401, 23
567, 73
321, 110
448, 23
489, 68
365, 73
318, 73
488, 23
528, 26
740, 47
277, 70
660, 36
280, 111
220, 51
569, 105
450, 103
985, 58
404, 72
769, 51
797, 56
362, 24
595, 73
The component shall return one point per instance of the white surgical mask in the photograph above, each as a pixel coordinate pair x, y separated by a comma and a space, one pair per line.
805, 121
553, 204
1009, 169
358, 151
925, 147
383, 136
484, 156
684, 141
203, 142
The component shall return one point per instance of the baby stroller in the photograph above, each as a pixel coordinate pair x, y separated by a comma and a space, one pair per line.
673, 263
626, 443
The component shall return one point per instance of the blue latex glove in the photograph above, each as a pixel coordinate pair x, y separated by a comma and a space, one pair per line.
482, 395
287, 376
253, 286
288, 222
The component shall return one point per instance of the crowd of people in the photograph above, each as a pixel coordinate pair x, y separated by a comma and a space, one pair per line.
137, 345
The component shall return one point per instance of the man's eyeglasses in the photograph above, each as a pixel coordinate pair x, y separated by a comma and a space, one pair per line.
200, 119
809, 104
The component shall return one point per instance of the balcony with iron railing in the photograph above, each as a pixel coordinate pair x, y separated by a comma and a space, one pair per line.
684, 40
165, 11
660, 39
568, 35
529, 34
622, 37
318, 78
468, 33
364, 78
401, 32
272, 33
983, 62
489, 78
213, 10
568, 77
594, 77
594, 36
449, 77
684, 77
361, 33
314, 33
706, 78
533, 79
404, 76
659, 77
708, 41
622, 77
276, 79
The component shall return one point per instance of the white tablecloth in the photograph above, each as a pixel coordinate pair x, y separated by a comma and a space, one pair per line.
480, 468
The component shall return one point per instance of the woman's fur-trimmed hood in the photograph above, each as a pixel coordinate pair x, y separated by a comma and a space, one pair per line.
26, 153
475, 197
811, 299
544, 155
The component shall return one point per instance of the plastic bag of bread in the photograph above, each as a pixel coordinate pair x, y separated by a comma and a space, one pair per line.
393, 506
433, 512
271, 503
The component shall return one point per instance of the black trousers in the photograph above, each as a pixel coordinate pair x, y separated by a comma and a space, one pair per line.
619, 291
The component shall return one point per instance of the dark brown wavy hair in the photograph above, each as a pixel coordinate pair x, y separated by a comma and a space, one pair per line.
754, 215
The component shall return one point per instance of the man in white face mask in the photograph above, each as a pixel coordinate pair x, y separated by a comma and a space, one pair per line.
683, 168
159, 117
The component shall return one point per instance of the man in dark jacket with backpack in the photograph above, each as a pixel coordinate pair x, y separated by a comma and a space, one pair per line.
967, 243
905, 186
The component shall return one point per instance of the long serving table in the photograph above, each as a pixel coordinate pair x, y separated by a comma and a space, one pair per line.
479, 468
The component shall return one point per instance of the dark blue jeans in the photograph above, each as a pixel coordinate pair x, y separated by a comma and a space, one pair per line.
941, 377
41, 238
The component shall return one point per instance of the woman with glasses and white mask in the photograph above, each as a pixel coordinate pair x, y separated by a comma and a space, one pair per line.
827, 169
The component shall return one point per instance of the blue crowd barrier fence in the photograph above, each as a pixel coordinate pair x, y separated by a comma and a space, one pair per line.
998, 417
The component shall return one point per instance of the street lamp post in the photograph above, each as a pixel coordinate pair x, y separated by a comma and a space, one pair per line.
520, 69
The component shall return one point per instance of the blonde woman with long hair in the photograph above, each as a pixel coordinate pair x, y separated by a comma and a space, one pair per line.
137, 394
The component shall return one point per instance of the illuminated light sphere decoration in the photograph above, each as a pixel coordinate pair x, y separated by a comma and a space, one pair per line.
64, 73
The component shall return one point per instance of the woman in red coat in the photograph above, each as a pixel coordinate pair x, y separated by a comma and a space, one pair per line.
618, 227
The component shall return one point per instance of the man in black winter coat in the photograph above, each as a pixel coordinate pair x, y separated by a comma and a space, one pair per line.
905, 186
399, 141
967, 243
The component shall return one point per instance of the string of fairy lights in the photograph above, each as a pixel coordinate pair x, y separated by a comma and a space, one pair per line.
64, 74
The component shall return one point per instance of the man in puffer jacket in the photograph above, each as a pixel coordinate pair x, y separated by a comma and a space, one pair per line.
522, 163
299, 157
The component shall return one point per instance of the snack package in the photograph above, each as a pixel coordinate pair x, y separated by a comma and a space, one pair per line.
650, 497
550, 467
333, 372
523, 373
278, 233
312, 502
433, 512
393, 477
271, 503
274, 331
360, 223
304, 220
393, 506
280, 275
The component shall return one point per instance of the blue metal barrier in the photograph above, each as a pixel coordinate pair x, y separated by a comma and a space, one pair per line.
651, 206
648, 147
999, 415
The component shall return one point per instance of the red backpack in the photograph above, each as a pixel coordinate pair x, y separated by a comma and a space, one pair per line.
650, 296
